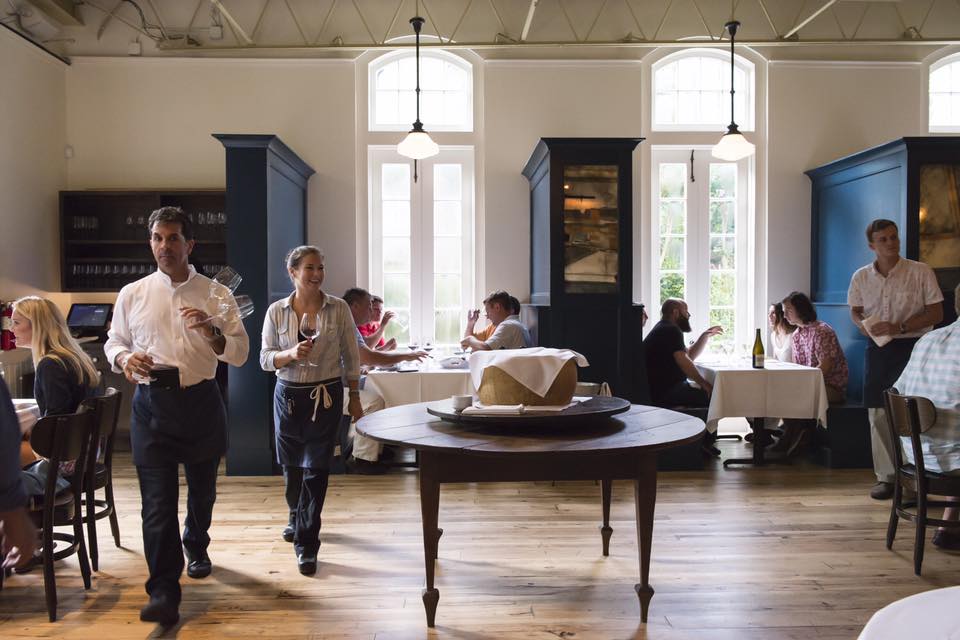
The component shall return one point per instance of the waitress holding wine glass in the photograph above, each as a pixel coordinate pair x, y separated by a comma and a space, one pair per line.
309, 339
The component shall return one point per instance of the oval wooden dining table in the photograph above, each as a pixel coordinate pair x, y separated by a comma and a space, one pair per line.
621, 447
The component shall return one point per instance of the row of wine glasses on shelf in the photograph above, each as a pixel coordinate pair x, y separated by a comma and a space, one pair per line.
84, 226
108, 276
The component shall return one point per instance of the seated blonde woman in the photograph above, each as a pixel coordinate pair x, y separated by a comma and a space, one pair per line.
65, 374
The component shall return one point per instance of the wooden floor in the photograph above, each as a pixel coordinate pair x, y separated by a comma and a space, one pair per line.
774, 553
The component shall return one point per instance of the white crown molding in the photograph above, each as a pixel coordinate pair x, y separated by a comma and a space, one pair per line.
528, 63
207, 62
846, 64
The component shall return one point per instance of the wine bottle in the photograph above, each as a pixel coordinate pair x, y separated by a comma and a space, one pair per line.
758, 352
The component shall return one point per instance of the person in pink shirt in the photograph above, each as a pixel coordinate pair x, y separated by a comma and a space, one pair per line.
814, 344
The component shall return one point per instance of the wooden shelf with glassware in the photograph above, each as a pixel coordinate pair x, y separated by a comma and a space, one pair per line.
103, 234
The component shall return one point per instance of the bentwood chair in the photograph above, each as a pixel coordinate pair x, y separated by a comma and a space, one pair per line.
908, 417
60, 438
99, 471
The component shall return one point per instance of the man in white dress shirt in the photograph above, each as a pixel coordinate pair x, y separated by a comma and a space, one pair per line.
900, 299
161, 332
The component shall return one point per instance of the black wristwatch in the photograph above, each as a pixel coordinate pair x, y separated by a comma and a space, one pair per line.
216, 334
903, 327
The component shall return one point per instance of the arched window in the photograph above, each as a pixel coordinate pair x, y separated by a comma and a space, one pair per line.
446, 92
945, 95
691, 91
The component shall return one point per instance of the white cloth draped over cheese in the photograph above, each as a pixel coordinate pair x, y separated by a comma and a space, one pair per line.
535, 368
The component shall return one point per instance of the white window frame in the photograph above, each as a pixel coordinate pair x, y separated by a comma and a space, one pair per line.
422, 306
394, 56
697, 228
745, 121
936, 66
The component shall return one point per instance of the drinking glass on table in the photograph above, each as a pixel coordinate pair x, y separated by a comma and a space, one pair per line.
310, 328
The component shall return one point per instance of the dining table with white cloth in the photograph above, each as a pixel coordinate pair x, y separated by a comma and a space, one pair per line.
779, 390
425, 383
28, 413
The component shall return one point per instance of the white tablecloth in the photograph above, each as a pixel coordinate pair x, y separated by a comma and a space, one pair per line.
27, 413
408, 387
780, 390
931, 615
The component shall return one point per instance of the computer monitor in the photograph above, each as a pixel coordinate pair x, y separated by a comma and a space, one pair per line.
88, 319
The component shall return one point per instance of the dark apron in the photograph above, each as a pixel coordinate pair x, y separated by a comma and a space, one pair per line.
306, 430
178, 425
883, 366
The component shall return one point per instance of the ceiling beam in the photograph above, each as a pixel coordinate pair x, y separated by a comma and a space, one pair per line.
234, 25
63, 11
605, 44
810, 18
529, 20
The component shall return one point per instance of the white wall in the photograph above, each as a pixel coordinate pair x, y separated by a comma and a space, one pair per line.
143, 123
526, 101
32, 166
147, 123
820, 112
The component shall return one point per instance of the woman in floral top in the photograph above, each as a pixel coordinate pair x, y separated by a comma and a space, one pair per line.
815, 344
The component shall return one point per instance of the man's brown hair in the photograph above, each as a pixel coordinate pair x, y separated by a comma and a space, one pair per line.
879, 225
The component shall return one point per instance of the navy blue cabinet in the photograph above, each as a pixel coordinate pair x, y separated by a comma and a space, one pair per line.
581, 257
266, 204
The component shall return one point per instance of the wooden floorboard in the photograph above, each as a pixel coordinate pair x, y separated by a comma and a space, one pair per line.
780, 553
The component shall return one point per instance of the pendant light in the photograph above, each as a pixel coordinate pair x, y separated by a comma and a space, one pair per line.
418, 144
732, 146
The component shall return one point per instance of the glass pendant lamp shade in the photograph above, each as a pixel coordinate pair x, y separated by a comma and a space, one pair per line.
732, 146
418, 145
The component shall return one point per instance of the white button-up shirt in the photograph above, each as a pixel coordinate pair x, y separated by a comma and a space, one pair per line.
335, 352
903, 293
147, 318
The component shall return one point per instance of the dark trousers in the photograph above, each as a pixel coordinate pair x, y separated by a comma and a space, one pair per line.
305, 494
682, 394
159, 493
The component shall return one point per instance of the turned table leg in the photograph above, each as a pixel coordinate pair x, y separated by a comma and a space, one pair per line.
606, 488
429, 510
645, 496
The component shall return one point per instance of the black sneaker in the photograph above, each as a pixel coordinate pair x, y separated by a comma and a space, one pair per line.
307, 565
364, 467
161, 611
199, 567
288, 533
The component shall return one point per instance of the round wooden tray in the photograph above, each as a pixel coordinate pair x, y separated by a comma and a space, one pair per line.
596, 408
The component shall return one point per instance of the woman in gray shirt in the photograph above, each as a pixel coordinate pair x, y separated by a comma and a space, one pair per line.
308, 399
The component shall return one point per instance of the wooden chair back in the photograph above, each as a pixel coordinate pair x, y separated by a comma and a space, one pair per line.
106, 411
908, 417
60, 438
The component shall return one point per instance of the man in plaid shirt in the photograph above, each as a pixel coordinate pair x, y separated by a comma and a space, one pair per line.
934, 372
